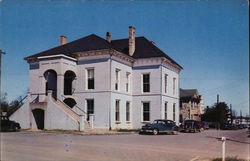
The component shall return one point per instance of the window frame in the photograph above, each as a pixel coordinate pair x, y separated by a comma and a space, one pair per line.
117, 79
143, 112
174, 110
166, 110
87, 107
88, 78
174, 86
145, 83
128, 82
128, 111
165, 83
117, 111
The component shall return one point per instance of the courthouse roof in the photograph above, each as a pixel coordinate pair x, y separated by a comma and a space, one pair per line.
143, 48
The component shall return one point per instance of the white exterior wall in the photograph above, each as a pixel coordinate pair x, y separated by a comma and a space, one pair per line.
22, 113
170, 96
121, 93
104, 93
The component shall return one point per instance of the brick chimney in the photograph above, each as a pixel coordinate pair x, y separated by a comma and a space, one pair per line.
108, 37
63, 40
131, 40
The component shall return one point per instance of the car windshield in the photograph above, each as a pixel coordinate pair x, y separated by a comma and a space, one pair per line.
159, 122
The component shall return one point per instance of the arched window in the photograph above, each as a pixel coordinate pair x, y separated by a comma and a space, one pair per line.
51, 82
69, 76
70, 102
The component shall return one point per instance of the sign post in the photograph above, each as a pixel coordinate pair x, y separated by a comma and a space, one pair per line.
223, 139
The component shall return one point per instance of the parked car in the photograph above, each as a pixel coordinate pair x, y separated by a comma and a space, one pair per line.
8, 125
229, 126
206, 125
160, 126
192, 126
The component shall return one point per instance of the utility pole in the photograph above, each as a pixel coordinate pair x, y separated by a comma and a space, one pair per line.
217, 114
240, 117
231, 114
1, 52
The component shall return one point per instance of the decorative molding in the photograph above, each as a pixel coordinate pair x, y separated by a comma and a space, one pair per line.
51, 57
146, 67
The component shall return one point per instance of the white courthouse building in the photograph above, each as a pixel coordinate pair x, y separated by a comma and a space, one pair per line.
100, 83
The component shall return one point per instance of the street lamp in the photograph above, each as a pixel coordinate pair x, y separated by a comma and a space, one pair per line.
1, 52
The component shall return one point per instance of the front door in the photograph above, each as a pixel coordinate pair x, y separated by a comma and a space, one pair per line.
39, 118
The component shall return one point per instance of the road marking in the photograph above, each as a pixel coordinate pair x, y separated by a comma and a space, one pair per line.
193, 159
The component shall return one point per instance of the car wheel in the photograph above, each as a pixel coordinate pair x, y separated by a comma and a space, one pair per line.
175, 132
155, 131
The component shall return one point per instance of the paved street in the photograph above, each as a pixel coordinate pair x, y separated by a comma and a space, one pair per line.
40, 146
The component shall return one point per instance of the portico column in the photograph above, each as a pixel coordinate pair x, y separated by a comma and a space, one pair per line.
81, 124
91, 120
42, 88
60, 86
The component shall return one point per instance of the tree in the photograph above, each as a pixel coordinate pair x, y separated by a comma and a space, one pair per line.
3, 103
11, 107
217, 113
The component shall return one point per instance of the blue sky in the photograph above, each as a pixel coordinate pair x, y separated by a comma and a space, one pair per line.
208, 38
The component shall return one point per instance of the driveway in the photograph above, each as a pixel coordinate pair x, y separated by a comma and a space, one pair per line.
40, 146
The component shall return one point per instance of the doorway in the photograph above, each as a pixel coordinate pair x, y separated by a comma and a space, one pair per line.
51, 82
39, 118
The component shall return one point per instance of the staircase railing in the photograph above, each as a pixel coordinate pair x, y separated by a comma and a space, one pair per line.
13, 110
66, 106
75, 106
38, 95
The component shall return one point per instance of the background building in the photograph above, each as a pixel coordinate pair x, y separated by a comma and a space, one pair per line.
191, 105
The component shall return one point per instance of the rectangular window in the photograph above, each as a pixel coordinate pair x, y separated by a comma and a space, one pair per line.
146, 111
117, 110
117, 79
127, 82
166, 82
174, 112
127, 111
166, 110
90, 107
91, 79
146, 82
174, 84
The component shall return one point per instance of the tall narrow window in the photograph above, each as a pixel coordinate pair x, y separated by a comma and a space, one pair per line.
166, 82
128, 111
117, 110
127, 82
146, 83
166, 110
174, 112
91, 79
90, 107
117, 79
146, 111
174, 84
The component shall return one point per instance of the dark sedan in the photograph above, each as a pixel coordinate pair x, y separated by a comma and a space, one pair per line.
160, 126
8, 125
192, 126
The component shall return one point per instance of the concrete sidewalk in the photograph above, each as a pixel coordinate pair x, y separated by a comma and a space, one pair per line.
87, 132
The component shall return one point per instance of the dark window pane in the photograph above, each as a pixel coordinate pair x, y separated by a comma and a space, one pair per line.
127, 111
146, 83
90, 108
146, 112
91, 84
117, 110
